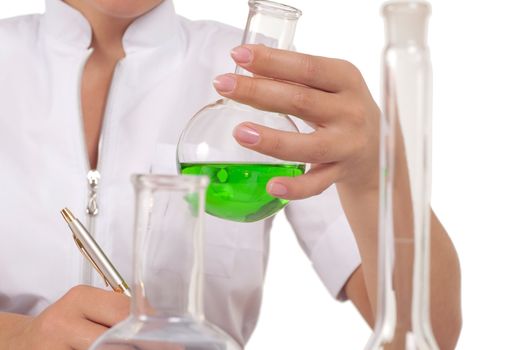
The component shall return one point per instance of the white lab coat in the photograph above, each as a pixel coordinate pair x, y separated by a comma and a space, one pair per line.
163, 80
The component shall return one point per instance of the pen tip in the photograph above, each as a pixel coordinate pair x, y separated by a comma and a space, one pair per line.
67, 215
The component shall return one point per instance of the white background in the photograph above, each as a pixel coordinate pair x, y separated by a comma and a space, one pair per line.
480, 59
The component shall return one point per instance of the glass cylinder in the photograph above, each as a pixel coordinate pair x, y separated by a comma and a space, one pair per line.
238, 175
167, 294
403, 320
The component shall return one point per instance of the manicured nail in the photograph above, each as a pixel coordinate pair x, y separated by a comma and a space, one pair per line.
242, 55
224, 83
277, 189
245, 134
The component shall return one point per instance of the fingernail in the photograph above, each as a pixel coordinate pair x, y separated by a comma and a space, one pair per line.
242, 55
277, 189
244, 134
224, 83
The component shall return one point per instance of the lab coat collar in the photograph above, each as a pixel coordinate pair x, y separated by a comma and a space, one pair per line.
65, 26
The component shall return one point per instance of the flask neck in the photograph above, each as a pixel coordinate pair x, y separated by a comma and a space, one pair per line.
271, 24
406, 23
168, 247
403, 320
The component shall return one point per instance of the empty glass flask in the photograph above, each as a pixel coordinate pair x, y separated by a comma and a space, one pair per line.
403, 320
167, 293
238, 176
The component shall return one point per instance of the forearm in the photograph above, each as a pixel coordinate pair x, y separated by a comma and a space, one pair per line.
362, 211
10, 327
445, 287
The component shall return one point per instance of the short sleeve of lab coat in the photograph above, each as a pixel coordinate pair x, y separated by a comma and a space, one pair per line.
325, 236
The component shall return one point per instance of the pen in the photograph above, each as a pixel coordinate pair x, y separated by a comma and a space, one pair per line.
91, 250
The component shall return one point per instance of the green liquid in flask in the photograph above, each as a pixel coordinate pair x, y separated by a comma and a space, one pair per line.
237, 191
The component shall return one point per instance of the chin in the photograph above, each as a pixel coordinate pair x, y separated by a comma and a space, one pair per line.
125, 8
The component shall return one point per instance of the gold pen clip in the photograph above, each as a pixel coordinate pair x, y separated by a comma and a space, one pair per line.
90, 259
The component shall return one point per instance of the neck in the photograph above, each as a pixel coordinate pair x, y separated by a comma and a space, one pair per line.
107, 31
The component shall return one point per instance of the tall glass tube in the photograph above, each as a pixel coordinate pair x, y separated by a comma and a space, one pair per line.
403, 320
167, 294
238, 175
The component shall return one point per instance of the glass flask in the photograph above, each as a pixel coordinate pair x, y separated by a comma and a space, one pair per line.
238, 176
403, 320
167, 294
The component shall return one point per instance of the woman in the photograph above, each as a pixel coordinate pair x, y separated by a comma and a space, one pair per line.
141, 71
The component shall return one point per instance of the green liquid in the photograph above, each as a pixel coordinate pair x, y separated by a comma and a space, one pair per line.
237, 191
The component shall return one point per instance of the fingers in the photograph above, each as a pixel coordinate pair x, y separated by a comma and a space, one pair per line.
276, 96
315, 147
76, 320
100, 306
328, 74
310, 184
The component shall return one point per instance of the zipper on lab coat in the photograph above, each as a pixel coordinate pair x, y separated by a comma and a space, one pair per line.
93, 176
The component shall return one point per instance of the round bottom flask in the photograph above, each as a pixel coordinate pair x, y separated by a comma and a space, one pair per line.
167, 294
239, 176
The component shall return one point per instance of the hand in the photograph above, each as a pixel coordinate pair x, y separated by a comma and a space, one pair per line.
329, 94
73, 322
